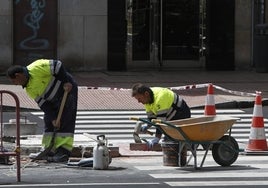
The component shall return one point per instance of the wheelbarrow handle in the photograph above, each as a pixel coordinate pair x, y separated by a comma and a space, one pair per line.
156, 120
134, 118
144, 120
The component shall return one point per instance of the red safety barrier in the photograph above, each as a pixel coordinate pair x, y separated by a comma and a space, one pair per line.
16, 152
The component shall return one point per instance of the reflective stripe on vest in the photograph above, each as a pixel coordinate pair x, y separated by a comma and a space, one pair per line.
54, 86
64, 140
173, 110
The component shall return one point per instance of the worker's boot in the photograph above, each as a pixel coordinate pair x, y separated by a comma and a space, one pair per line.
38, 154
61, 155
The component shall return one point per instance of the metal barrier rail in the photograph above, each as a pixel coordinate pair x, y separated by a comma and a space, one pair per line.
16, 151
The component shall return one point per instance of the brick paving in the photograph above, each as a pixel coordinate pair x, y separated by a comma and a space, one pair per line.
104, 97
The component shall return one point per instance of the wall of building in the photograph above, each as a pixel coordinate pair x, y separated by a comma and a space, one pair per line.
5, 35
82, 39
82, 34
243, 34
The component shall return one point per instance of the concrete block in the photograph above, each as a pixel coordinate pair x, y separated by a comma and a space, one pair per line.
114, 151
26, 128
144, 147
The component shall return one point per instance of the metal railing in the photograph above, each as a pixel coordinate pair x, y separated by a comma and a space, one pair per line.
16, 151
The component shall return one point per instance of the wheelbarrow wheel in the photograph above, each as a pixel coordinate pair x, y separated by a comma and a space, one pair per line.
225, 152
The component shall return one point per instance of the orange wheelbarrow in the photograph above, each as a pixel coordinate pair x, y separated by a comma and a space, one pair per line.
208, 131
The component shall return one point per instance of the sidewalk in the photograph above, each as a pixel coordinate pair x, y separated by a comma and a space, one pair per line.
97, 89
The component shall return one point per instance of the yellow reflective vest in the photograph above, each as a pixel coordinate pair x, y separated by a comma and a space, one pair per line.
163, 99
40, 77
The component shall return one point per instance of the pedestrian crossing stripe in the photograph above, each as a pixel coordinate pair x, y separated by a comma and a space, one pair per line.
208, 164
202, 174
246, 171
216, 183
117, 126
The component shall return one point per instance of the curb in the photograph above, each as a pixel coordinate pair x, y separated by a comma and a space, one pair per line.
76, 152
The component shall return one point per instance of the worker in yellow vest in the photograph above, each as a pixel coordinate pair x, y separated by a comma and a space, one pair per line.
160, 103
45, 81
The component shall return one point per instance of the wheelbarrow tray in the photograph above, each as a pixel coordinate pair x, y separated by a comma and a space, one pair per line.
204, 128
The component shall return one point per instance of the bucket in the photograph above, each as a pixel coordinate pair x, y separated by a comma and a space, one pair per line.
170, 154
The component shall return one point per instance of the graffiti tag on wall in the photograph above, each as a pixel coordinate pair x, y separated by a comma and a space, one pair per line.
32, 21
35, 30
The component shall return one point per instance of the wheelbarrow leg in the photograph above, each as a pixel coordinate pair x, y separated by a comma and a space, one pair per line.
193, 153
190, 158
205, 155
181, 152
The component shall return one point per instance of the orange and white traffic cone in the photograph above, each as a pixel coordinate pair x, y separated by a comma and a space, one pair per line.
257, 140
210, 101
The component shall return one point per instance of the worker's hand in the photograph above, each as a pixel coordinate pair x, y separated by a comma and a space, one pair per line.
54, 122
67, 86
152, 142
144, 128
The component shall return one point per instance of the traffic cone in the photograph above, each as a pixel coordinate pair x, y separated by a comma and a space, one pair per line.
210, 101
257, 140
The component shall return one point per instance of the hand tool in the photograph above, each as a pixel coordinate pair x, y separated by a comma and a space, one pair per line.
137, 131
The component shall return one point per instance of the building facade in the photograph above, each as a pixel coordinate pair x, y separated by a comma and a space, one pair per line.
122, 35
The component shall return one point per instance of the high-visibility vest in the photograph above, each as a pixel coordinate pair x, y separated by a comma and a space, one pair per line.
39, 78
163, 100
43, 84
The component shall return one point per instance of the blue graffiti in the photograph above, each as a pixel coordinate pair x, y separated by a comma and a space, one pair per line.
17, 2
32, 20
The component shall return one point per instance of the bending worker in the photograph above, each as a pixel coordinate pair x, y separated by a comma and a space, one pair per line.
160, 103
45, 81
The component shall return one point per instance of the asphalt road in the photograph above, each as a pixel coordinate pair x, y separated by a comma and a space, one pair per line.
147, 172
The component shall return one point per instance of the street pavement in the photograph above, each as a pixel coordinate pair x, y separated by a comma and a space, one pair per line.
111, 91
104, 90
147, 171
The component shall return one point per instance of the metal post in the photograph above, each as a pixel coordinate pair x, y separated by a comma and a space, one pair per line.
16, 152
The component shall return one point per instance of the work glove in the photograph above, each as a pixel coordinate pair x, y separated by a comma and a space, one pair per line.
152, 142
144, 128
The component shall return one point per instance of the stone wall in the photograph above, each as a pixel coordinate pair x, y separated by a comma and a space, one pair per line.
243, 34
82, 39
5, 35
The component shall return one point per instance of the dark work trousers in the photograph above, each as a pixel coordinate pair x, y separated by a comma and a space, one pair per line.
182, 112
64, 135
68, 117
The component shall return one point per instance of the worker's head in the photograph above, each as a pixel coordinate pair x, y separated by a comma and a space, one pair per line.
142, 93
18, 75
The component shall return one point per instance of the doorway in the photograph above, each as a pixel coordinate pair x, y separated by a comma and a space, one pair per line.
181, 34
165, 33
